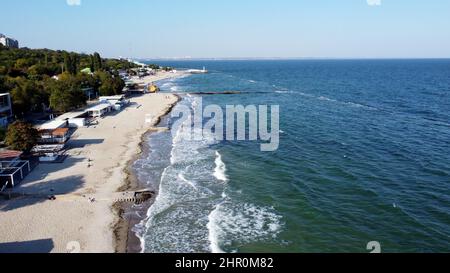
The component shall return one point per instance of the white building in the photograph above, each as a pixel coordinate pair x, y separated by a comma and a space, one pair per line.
53, 124
71, 120
117, 102
99, 110
8, 42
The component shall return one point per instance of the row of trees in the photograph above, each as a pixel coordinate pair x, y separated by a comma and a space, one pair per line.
24, 61
73, 64
29, 76
62, 95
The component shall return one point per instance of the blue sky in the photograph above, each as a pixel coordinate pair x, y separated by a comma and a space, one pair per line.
233, 28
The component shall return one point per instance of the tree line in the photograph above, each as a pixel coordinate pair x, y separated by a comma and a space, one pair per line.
42, 79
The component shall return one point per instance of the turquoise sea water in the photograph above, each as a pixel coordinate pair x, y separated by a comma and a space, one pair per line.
364, 156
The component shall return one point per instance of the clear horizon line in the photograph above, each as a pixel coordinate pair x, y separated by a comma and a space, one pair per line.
285, 58
188, 58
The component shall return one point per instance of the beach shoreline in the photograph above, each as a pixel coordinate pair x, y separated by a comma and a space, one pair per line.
126, 240
85, 213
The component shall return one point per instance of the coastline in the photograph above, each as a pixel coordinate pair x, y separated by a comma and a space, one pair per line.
126, 241
95, 169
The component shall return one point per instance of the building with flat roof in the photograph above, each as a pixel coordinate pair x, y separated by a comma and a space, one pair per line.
54, 136
99, 110
8, 42
53, 124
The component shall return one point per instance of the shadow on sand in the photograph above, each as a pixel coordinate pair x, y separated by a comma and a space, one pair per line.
37, 246
81, 143
39, 192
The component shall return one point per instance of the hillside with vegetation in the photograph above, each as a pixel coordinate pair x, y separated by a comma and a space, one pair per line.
42, 80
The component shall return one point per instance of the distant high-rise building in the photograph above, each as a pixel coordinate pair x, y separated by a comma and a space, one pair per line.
8, 42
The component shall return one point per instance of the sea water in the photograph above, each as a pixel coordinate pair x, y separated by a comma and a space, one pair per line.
364, 156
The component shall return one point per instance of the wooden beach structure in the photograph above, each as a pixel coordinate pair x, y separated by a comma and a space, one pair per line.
12, 169
136, 197
53, 136
51, 144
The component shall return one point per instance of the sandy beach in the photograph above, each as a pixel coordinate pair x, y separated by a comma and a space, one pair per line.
95, 169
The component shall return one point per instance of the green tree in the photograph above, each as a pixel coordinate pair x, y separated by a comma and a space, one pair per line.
66, 94
118, 84
92, 63
97, 62
22, 64
154, 66
110, 85
37, 71
67, 62
75, 63
21, 136
3, 70
115, 64
23, 95
107, 89
70, 63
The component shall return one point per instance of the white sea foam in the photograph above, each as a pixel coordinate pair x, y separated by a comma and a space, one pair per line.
183, 179
192, 212
242, 223
349, 103
284, 92
168, 85
178, 219
213, 235
171, 84
306, 95
354, 104
327, 99
220, 170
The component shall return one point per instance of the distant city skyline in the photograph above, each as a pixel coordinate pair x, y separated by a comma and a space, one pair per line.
233, 29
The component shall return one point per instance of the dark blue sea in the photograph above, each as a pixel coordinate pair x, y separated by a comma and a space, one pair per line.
364, 156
